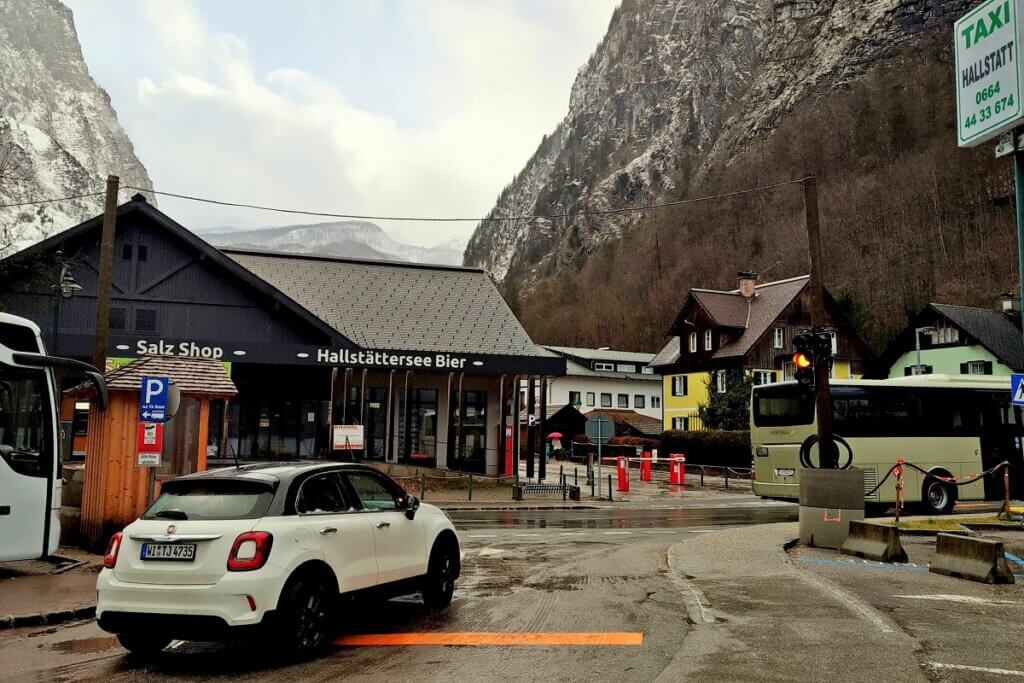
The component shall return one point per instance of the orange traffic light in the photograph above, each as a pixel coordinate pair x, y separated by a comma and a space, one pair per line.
801, 361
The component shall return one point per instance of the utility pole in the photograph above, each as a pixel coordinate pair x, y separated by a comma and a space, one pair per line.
106, 277
828, 454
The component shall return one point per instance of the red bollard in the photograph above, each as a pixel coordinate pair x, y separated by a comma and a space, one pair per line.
682, 470
623, 470
645, 467
675, 469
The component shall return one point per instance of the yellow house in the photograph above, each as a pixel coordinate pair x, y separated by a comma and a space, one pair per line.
749, 328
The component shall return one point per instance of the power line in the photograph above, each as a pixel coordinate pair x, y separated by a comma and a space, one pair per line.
460, 219
51, 201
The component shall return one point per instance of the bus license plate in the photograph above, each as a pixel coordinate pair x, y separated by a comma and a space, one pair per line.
169, 551
785, 472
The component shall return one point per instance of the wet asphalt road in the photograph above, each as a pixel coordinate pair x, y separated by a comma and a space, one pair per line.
524, 571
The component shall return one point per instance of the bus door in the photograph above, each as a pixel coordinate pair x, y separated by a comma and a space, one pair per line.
27, 464
1002, 438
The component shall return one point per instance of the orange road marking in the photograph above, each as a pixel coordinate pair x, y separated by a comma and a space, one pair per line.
492, 639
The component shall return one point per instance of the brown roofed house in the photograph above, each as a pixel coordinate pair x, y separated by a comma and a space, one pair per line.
749, 328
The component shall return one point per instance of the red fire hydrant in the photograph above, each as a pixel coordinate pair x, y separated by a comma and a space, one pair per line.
645, 467
623, 471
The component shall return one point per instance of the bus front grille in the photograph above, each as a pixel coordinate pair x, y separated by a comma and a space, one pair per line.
870, 481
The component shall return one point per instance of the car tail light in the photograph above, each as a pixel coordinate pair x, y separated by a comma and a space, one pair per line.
113, 548
250, 551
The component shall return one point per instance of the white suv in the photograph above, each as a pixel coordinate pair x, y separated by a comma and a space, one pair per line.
232, 551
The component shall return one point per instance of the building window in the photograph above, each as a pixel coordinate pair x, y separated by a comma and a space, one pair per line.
623, 400
522, 398
679, 385
622, 367
574, 398
647, 370
590, 399
707, 340
778, 338
945, 333
604, 366
606, 400
720, 381
126, 252
143, 252
145, 320
639, 402
764, 376
976, 367
835, 343
118, 319
693, 342
681, 423
917, 370
655, 401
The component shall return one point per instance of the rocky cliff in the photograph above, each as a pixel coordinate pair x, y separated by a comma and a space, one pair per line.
674, 90
59, 134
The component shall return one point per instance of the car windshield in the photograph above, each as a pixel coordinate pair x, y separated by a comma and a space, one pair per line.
226, 499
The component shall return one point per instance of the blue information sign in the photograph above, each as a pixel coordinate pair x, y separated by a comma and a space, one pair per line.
1017, 389
153, 399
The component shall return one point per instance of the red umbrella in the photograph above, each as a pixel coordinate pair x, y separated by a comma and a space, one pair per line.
555, 435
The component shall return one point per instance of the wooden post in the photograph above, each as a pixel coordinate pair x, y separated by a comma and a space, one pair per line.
106, 275
829, 456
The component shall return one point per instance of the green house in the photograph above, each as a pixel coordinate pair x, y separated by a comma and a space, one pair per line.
958, 340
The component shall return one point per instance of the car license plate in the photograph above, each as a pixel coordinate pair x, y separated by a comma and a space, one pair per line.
785, 472
169, 551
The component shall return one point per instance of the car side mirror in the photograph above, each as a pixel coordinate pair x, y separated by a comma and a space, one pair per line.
411, 504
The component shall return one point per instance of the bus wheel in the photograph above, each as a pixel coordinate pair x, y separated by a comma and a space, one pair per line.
937, 497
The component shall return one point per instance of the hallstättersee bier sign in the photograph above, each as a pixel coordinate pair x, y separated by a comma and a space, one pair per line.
988, 71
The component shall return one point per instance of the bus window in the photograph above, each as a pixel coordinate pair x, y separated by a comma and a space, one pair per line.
24, 421
782, 405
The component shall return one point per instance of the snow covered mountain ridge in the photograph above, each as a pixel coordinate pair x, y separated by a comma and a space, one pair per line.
673, 91
353, 239
59, 134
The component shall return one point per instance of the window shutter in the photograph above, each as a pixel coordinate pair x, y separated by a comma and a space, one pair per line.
685, 378
988, 367
963, 368
909, 370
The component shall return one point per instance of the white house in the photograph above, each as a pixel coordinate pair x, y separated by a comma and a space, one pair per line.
603, 378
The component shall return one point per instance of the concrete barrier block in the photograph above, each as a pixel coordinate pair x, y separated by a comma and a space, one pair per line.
976, 559
826, 527
877, 542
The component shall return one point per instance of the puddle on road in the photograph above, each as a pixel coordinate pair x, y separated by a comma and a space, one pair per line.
86, 645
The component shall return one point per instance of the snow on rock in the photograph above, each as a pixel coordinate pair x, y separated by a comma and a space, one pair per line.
59, 134
675, 88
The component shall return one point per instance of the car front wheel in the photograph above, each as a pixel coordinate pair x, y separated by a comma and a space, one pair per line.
305, 611
143, 644
439, 585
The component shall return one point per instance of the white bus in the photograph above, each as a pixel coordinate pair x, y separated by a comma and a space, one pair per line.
30, 482
949, 425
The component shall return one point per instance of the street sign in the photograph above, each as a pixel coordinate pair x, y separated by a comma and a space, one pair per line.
348, 437
600, 429
989, 73
149, 444
153, 398
1017, 389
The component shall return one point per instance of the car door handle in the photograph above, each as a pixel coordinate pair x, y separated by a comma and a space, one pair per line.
328, 530
383, 525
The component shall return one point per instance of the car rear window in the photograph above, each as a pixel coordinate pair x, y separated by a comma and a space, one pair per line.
212, 499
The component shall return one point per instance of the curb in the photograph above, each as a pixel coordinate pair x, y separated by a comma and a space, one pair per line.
47, 618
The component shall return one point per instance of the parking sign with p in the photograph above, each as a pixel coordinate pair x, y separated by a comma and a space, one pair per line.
153, 395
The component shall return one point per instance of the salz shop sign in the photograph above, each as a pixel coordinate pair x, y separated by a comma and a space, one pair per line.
988, 71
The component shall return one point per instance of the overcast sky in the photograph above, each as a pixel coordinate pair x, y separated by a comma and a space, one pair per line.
362, 106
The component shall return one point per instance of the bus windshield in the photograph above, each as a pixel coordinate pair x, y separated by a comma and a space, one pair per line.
782, 405
25, 420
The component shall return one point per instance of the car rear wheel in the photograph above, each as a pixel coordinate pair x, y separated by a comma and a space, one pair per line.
305, 616
143, 644
439, 585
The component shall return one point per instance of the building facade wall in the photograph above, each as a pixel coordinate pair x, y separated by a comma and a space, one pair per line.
947, 360
680, 407
559, 389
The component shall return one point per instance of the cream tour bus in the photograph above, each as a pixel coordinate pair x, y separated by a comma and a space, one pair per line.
952, 426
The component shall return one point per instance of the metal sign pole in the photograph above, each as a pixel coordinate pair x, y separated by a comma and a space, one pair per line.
1018, 184
600, 439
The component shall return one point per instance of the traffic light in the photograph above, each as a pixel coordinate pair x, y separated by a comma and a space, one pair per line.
803, 359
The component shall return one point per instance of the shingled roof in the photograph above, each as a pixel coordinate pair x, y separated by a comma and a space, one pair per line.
397, 306
993, 330
192, 375
731, 309
630, 420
